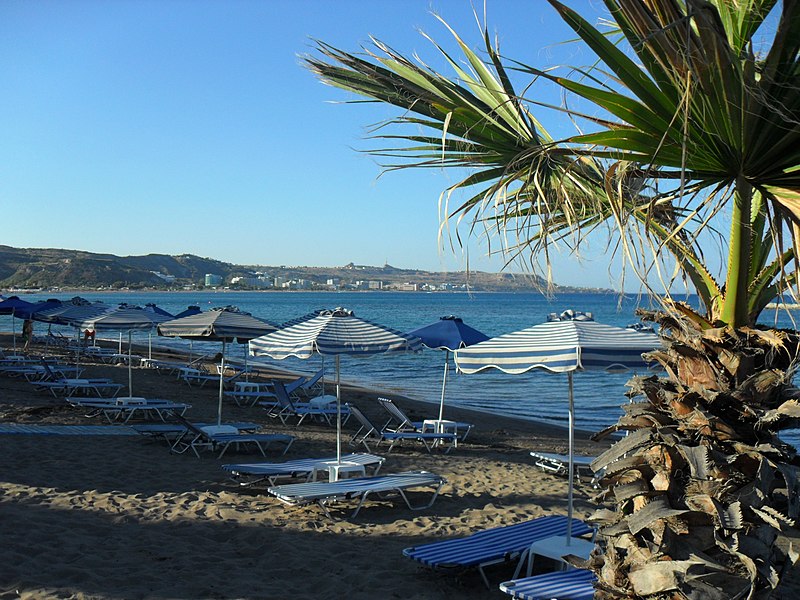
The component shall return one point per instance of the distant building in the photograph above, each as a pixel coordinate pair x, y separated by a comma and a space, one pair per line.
408, 287
213, 280
376, 285
256, 282
334, 281
279, 281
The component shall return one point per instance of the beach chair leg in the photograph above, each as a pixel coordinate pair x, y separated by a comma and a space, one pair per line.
421, 507
360, 504
224, 448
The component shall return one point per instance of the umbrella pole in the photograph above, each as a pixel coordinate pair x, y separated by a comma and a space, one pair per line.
246, 352
150, 345
130, 371
323, 375
571, 458
221, 377
444, 382
120, 343
338, 414
190, 351
14, 331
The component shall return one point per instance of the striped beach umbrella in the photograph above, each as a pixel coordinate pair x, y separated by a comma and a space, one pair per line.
569, 342
225, 325
71, 312
449, 334
125, 318
333, 333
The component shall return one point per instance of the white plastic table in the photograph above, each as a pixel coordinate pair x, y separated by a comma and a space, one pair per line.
339, 470
556, 547
439, 426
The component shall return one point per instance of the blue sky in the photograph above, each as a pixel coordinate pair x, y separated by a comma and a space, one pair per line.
190, 127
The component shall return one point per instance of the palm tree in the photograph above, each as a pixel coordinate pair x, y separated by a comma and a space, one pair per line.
698, 141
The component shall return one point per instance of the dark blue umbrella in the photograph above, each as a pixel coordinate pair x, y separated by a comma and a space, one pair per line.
12, 306
449, 334
191, 310
28, 313
151, 307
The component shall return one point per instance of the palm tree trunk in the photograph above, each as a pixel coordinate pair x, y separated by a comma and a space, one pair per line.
735, 306
702, 486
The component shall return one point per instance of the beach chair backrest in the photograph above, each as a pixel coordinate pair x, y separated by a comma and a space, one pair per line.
312, 381
283, 396
50, 374
293, 385
366, 424
190, 426
395, 411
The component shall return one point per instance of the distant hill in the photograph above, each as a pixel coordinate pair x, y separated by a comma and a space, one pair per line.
49, 268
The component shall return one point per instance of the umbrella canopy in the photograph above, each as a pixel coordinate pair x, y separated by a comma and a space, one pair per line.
27, 313
125, 318
570, 342
190, 310
218, 324
333, 333
226, 324
150, 307
10, 306
560, 347
72, 312
448, 334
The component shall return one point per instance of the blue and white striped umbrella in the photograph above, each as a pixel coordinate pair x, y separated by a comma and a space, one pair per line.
333, 333
560, 347
567, 343
124, 318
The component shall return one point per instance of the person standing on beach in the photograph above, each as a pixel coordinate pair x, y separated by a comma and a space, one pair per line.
27, 332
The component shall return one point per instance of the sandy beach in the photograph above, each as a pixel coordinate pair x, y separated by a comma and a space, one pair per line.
101, 516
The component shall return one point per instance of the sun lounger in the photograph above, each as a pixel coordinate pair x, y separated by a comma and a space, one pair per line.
272, 405
359, 489
124, 409
559, 464
369, 431
255, 392
303, 468
310, 386
572, 584
195, 377
170, 431
325, 411
97, 353
399, 421
494, 546
71, 387
221, 437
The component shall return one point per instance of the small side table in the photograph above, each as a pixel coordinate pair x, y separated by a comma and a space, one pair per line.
247, 386
341, 470
322, 401
556, 547
439, 426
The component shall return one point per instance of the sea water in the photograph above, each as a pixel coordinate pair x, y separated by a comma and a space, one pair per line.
536, 395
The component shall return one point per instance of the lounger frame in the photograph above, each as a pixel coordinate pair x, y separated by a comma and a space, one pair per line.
303, 469
368, 431
196, 438
361, 489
